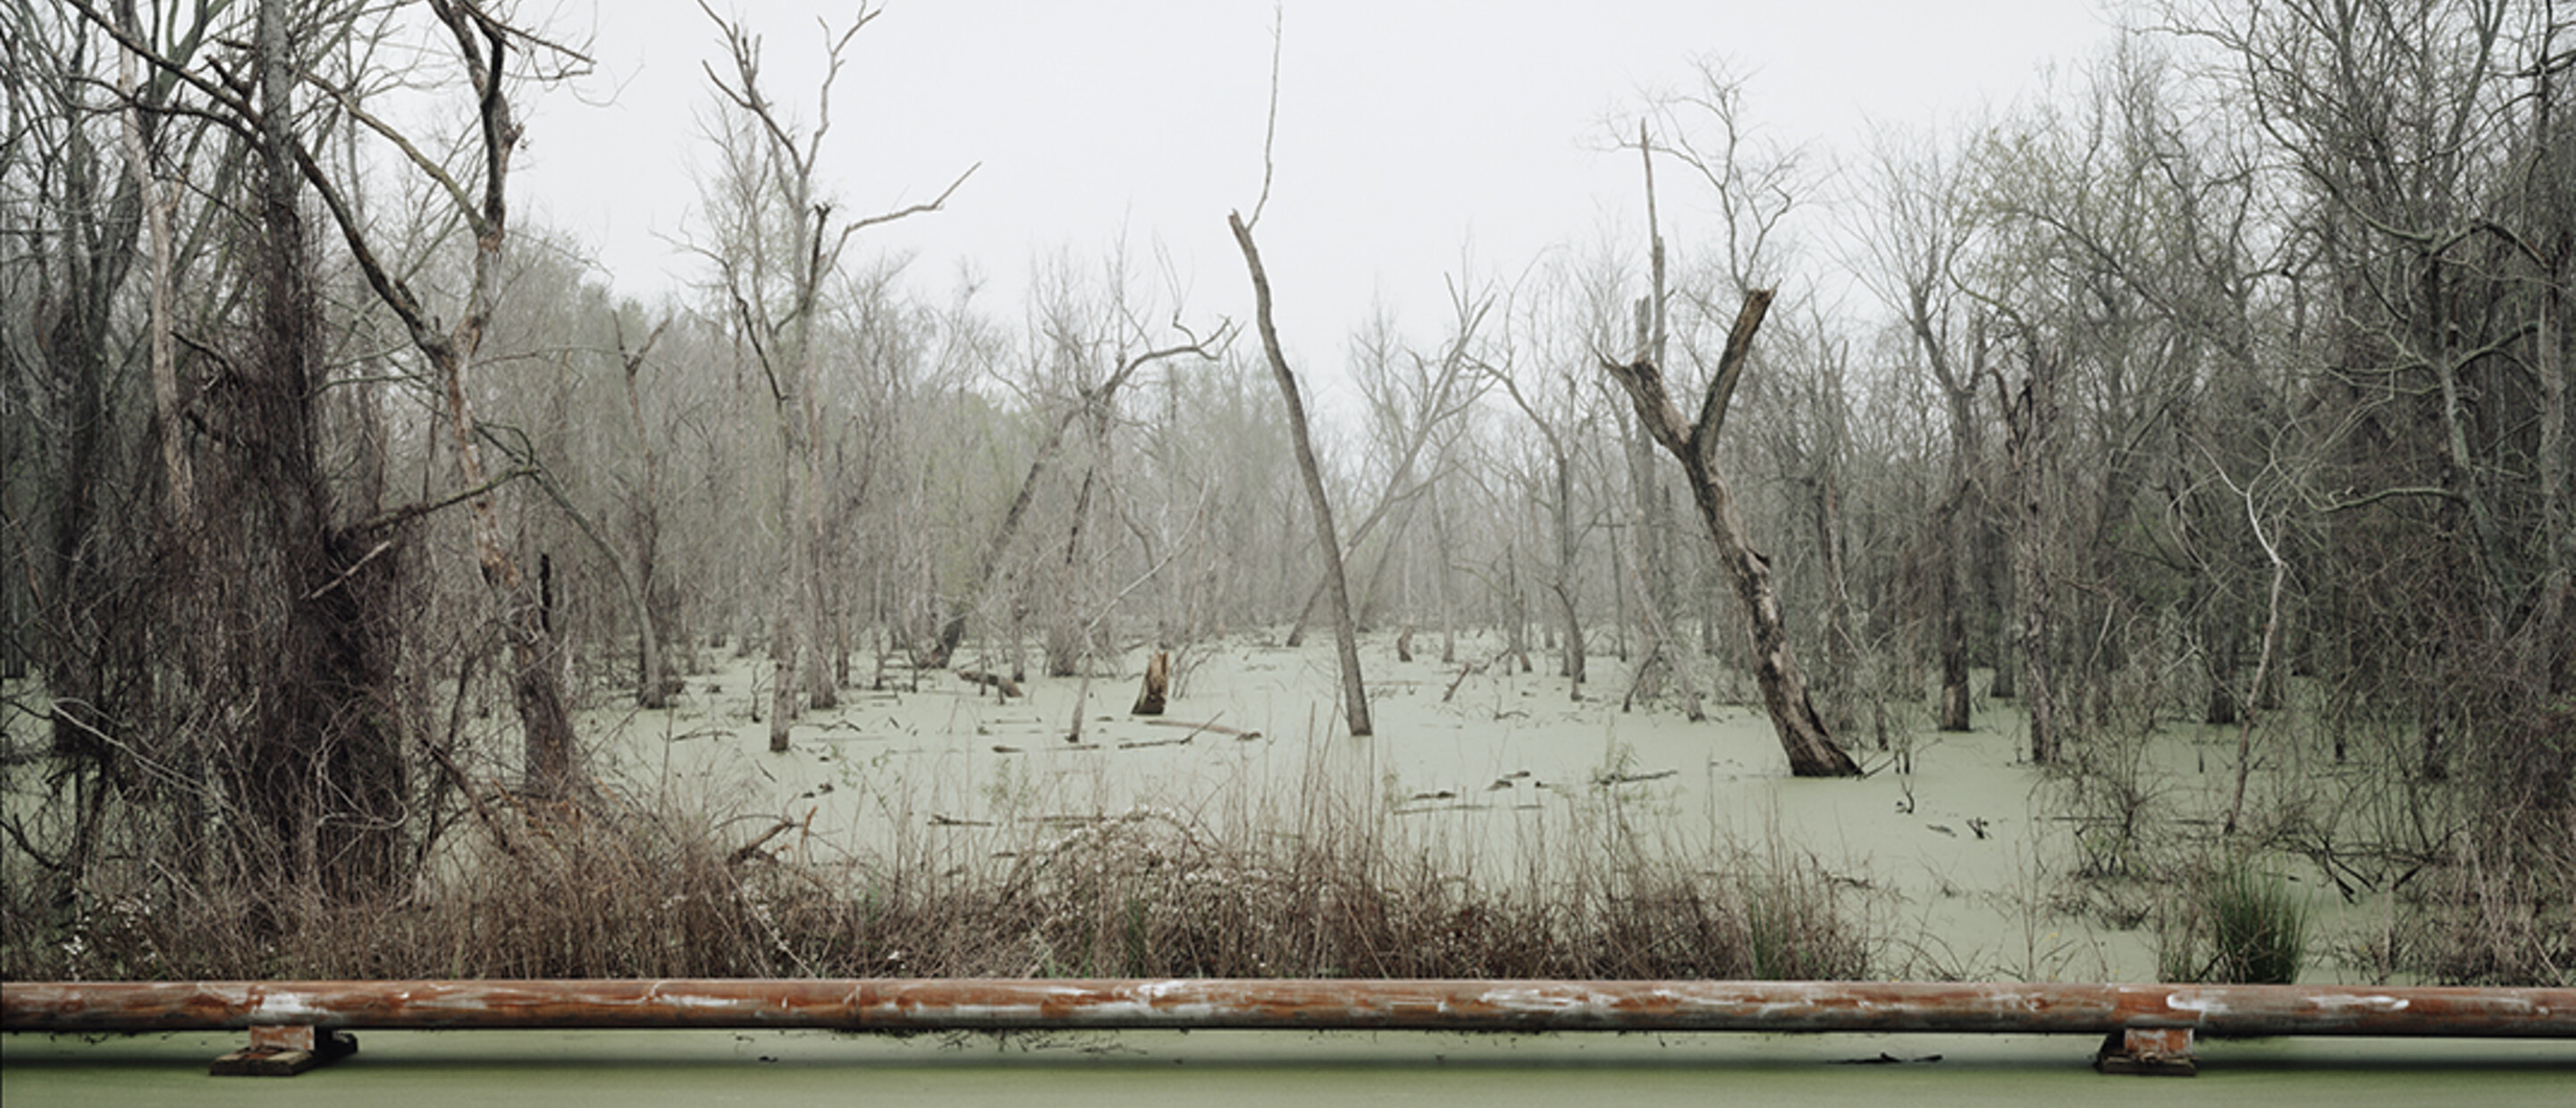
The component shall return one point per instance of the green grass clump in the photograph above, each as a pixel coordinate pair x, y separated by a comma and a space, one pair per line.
2238, 926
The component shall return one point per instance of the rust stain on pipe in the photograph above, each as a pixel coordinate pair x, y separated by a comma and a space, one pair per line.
936, 1004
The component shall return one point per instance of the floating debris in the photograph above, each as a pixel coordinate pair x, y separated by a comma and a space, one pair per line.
1633, 778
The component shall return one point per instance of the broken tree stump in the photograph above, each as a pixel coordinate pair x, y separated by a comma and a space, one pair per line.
1158, 683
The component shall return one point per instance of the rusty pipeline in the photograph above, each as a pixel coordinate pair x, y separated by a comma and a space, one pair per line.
1196, 1003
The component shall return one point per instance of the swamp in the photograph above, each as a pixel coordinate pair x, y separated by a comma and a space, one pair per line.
2129, 536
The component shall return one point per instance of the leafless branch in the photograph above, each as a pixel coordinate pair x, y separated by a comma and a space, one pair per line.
935, 204
1270, 126
409, 512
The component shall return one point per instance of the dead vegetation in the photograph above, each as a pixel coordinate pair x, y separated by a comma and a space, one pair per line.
1334, 888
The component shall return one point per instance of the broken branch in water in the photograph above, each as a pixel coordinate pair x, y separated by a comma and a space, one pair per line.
1195, 728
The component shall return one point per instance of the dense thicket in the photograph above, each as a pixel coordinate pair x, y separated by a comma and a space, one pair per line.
2230, 383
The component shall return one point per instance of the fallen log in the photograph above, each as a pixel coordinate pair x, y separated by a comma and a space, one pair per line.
1007, 687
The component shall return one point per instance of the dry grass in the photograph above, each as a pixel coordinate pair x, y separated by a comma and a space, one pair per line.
2499, 913
1336, 886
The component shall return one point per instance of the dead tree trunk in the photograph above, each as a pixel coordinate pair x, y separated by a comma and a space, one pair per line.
2030, 422
650, 690
1954, 659
1441, 574
1345, 638
1811, 750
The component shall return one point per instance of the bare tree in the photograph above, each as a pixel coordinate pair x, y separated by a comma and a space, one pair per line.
322, 768
483, 45
2032, 416
775, 290
1803, 736
1560, 420
1918, 227
1092, 404
651, 690
1408, 420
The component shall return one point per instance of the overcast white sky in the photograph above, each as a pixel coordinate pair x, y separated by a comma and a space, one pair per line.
1408, 129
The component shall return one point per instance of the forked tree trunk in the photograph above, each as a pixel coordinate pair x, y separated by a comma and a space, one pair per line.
1803, 736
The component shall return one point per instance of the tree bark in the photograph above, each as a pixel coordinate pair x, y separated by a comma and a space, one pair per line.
165, 374
1345, 638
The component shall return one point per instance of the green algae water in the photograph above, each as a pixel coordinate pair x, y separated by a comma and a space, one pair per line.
652, 1069
1955, 850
